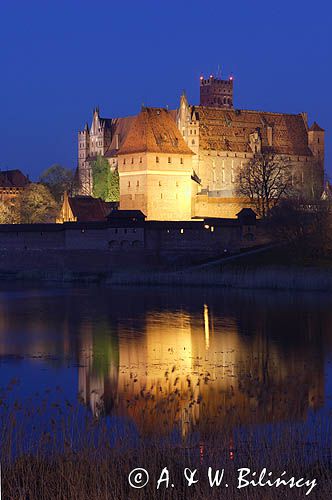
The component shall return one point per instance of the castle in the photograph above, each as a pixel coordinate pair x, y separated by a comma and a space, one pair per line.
178, 164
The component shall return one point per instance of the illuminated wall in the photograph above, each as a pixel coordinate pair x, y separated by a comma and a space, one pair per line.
159, 185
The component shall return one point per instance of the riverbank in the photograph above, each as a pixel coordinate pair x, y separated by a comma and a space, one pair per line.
271, 278
273, 268
95, 462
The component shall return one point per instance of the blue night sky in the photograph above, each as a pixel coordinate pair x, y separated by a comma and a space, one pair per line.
59, 59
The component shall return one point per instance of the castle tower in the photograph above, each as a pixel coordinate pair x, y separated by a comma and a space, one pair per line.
316, 142
83, 166
316, 139
216, 93
188, 124
155, 168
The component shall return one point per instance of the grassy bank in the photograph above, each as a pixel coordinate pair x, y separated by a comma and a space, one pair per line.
268, 277
61, 456
100, 474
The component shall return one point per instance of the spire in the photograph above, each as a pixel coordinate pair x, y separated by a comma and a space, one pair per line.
183, 99
315, 128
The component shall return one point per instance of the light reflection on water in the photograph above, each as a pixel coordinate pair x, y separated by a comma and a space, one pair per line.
195, 360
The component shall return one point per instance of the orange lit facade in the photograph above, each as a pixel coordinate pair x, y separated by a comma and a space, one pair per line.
213, 140
155, 168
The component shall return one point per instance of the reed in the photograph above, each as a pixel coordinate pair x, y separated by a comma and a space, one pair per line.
61, 451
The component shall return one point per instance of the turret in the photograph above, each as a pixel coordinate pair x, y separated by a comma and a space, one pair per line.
316, 144
316, 139
183, 116
83, 145
83, 165
216, 93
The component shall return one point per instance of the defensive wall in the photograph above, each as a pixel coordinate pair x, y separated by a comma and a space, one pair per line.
76, 249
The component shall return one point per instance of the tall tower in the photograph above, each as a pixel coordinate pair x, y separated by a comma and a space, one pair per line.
316, 142
216, 93
84, 170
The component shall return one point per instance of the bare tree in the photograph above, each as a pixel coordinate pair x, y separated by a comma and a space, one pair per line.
265, 179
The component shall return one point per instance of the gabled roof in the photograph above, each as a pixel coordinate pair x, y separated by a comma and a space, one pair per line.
13, 178
315, 128
89, 209
154, 130
230, 129
120, 129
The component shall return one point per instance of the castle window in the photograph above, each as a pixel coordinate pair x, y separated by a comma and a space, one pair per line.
181, 231
137, 184
132, 160
161, 196
159, 183
177, 184
124, 161
140, 159
157, 159
193, 141
318, 140
129, 184
181, 161
169, 160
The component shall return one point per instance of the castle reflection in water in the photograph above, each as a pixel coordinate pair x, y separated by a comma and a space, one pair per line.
166, 358
203, 365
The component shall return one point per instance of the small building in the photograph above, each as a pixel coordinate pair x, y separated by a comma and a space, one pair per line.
84, 209
12, 184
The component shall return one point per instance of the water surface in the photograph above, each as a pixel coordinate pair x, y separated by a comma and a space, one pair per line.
195, 361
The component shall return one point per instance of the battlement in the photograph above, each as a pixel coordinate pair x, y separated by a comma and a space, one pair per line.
215, 92
216, 81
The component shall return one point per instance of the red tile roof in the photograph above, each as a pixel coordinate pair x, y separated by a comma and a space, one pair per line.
316, 128
154, 130
120, 128
13, 178
88, 209
229, 130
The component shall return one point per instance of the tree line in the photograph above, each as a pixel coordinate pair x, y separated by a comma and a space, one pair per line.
40, 201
